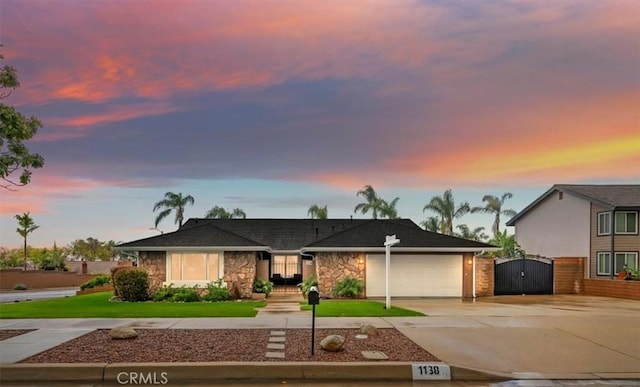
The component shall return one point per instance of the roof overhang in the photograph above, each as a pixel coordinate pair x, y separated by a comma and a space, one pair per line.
400, 249
192, 248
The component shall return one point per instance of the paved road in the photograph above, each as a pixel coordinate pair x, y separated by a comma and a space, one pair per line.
35, 295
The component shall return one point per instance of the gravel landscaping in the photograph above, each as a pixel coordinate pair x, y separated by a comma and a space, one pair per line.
204, 345
9, 333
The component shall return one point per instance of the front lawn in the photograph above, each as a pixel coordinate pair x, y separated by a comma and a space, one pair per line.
98, 305
357, 308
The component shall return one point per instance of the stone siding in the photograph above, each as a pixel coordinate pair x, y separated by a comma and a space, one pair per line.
239, 272
155, 263
332, 267
484, 277
568, 274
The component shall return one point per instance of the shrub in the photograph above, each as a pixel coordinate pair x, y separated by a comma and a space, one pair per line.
185, 294
348, 287
115, 270
165, 293
132, 285
262, 286
19, 287
307, 284
217, 291
97, 281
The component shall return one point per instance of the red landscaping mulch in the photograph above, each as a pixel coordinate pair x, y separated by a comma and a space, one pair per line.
9, 333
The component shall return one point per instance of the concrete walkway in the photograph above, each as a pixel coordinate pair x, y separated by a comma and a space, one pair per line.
525, 338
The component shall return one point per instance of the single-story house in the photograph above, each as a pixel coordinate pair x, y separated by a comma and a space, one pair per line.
287, 251
598, 222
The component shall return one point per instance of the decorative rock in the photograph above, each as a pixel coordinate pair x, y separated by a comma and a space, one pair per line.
368, 330
361, 336
332, 343
374, 355
119, 333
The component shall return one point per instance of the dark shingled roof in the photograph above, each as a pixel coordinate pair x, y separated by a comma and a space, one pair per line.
295, 234
611, 196
372, 234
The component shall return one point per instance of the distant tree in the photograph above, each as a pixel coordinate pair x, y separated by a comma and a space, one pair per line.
91, 249
378, 206
221, 213
445, 207
389, 210
494, 206
172, 202
10, 258
477, 234
317, 212
14, 130
433, 224
26, 226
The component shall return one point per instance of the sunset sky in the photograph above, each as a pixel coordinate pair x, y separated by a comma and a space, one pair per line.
272, 106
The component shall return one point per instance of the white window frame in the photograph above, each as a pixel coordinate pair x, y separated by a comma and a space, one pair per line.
633, 254
604, 256
626, 213
602, 223
202, 282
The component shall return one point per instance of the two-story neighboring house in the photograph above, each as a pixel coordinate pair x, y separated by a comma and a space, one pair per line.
599, 222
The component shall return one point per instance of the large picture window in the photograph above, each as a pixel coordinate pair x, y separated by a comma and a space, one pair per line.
194, 267
604, 223
626, 222
604, 264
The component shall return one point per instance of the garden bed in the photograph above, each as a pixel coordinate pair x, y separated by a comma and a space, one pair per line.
216, 345
9, 333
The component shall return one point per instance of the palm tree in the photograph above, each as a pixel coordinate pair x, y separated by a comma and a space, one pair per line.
432, 223
171, 202
27, 226
221, 213
388, 210
508, 244
317, 212
373, 202
445, 207
476, 234
494, 206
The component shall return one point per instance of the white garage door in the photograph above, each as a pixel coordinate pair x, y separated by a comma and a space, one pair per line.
415, 275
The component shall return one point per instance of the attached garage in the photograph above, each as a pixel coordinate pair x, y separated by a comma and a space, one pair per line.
415, 275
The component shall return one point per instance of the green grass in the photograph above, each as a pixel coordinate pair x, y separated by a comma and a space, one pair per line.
357, 308
98, 305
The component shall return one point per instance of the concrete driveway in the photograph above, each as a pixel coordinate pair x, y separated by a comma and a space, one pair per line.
526, 337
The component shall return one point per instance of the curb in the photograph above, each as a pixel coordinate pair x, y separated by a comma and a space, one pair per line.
182, 373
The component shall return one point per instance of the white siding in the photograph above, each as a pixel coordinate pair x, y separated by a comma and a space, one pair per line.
556, 228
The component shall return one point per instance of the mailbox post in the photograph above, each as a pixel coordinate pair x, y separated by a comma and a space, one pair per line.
314, 299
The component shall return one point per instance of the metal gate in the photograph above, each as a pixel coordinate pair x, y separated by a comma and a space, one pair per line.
523, 276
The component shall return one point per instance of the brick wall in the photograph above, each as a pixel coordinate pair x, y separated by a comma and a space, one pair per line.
568, 275
484, 277
97, 289
612, 288
41, 279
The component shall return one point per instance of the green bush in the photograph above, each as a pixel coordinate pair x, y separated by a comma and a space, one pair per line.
185, 294
165, 293
97, 281
132, 285
19, 287
307, 284
114, 271
262, 286
217, 291
348, 287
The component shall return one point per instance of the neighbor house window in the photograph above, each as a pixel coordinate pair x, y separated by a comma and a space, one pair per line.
194, 267
626, 222
604, 223
626, 260
604, 264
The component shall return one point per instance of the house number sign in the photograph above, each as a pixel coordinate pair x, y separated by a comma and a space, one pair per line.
430, 371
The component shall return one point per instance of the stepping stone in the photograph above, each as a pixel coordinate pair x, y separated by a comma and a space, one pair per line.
277, 339
278, 333
275, 355
275, 346
374, 355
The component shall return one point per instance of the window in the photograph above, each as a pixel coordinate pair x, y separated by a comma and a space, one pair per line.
604, 223
626, 222
604, 264
194, 267
629, 260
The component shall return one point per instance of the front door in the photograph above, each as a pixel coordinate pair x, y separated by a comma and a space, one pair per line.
286, 270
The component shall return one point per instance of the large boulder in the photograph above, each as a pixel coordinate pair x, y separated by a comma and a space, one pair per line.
121, 333
368, 330
332, 343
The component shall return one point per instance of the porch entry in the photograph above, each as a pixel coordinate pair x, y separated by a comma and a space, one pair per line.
286, 272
